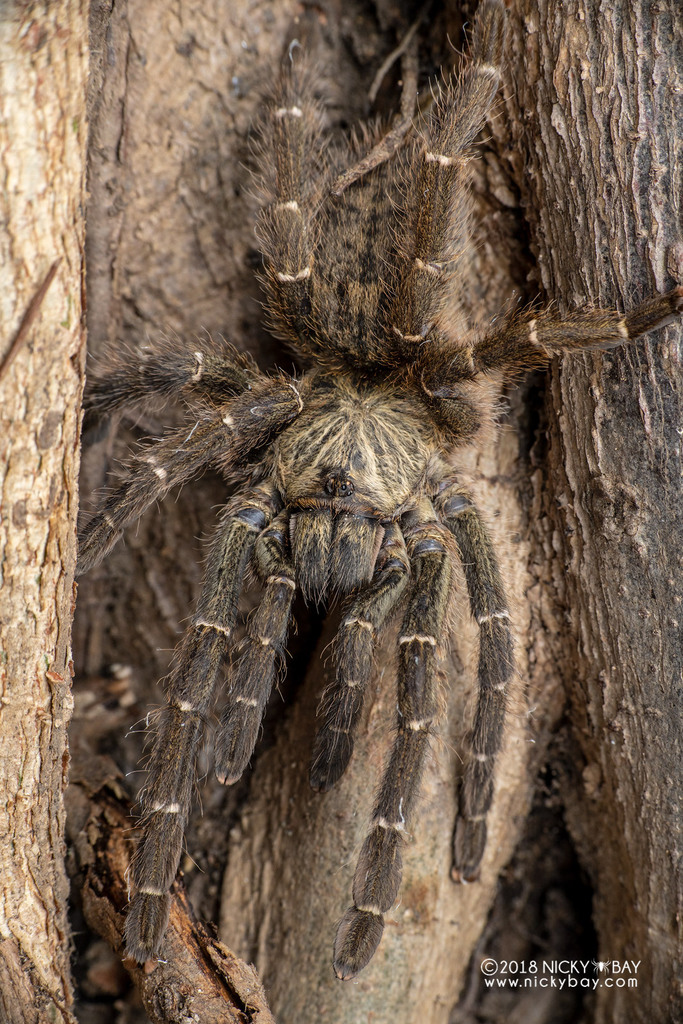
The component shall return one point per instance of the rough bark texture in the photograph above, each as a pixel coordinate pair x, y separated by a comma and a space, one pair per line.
602, 101
43, 78
582, 487
199, 979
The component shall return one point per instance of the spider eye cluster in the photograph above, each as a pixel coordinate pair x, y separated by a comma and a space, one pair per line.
339, 484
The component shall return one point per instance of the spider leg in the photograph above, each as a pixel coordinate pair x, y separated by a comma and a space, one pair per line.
221, 439
439, 216
292, 142
528, 341
524, 342
207, 369
378, 874
354, 645
189, 698
496, 665
260, 651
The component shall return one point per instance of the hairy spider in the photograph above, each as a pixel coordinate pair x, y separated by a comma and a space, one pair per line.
353, 488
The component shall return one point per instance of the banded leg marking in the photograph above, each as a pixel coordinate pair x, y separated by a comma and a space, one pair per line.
180, 728
293, 135
530, 340
166, 463
496, 663
342, 703
438, 219
378, 874
255, 672
209, 368
183, 454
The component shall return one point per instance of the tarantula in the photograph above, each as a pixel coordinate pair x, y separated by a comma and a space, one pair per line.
352, 486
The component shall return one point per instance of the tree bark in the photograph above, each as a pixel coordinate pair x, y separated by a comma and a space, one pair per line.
582, 487
199, 979
43, 75
602, 101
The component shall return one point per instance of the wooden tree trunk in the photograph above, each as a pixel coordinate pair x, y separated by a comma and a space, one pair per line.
583, 487
601, 99
43, 131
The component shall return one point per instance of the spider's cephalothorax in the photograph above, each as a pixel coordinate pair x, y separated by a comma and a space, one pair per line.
345, 469
350, 493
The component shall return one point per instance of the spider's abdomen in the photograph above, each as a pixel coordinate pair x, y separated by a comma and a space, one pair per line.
351, 462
